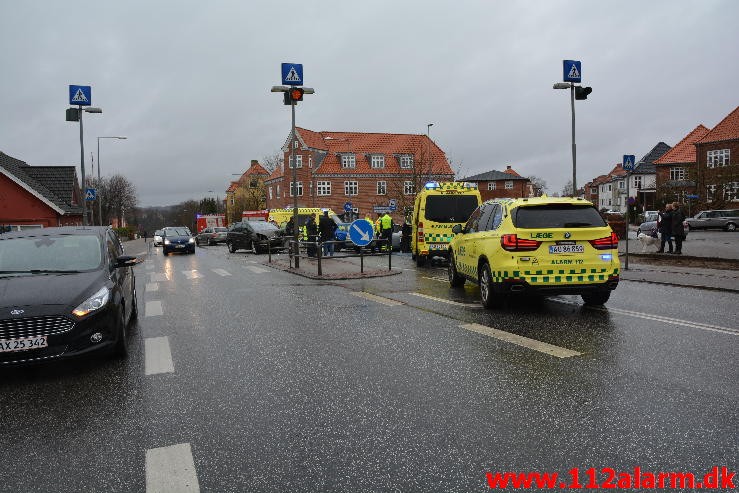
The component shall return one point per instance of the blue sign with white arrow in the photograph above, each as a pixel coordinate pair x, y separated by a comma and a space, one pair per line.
90, 194
292, 74
80, 95
572, 71
629, 162
361, 232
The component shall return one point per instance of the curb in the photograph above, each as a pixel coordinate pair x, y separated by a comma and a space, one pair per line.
693, 286
368, 274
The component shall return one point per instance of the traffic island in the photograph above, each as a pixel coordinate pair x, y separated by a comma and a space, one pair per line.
332, 268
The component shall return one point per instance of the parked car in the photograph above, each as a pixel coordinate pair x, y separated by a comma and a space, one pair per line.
66, 292
721, 219
647, 227
158, 240
178, 239
212, 236
257, 236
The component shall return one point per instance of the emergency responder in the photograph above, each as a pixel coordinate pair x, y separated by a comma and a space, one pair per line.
386, 231
327, 230
310, 234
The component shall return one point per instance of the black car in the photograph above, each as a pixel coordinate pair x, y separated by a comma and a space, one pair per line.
177, 239
64, 292
257, 236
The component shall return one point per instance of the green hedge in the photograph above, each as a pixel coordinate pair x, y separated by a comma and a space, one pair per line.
125, 233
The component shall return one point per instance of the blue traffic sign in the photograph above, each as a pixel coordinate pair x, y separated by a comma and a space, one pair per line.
572, 71
90, 194
693, 196
348, 207
393, 204
292, 74
361, 232
629, 162
80, 95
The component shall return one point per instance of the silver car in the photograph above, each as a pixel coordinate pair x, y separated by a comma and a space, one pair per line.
158, 241
720, 219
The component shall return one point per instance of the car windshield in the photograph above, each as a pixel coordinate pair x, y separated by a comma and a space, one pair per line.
177, 232
556, 216
64, 253
450, 208
158, 232
262, 226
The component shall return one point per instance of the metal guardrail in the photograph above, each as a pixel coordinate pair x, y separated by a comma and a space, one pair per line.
384, 247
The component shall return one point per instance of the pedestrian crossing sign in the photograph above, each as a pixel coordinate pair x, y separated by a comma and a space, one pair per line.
80, 95
628, 162
90, 194
572, 70
292, 74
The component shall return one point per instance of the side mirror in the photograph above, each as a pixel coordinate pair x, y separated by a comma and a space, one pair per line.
126, 261
457, 229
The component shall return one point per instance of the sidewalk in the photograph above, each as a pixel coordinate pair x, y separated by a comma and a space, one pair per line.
335, 268
695, 277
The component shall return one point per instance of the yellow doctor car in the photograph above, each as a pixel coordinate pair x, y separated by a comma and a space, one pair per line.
541, 245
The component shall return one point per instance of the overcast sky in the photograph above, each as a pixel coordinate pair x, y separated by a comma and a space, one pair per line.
188, 81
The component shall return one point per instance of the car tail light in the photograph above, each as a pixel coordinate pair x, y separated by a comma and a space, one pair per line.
420, 233
606, 243
513, 243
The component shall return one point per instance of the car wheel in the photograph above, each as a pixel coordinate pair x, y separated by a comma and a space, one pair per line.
731, 227
487, 296
231, 247
197, 242
120, 350
455, 280
134, 308
638, 232
596, 298
420, 260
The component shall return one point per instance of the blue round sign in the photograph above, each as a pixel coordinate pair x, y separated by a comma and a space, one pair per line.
348, 207
361, 232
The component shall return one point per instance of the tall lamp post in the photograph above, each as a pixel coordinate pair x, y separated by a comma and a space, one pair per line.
99, 197
428, 145
75, 114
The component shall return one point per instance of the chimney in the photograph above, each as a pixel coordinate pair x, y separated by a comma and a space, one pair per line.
508, 167
254, 161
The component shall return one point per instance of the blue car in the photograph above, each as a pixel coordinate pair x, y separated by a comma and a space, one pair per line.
177, 239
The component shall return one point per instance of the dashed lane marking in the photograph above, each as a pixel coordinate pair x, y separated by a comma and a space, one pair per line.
171, 469
157, 356
440, 279
377, 299
474, 306
221, 272
153, 308
152, 286
657, 318
255, 269
159, 277
518, 340
192, 274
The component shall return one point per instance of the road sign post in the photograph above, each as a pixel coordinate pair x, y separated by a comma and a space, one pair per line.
81, 96
628, 164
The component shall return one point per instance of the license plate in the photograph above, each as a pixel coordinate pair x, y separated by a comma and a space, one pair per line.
566, 249
23, 344
437, 246
180, 246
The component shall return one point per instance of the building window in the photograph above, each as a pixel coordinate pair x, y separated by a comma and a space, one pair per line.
348, 161
298, 161
677, 173
233, 200
253, 183
406, 162
637, 182
718, 158
710, 192
270, 193
295, 144
609, 202
351, 187
491, 185
298, 186
310, 161
621, 184
278, 192
324, 188
731, 191
509, 185
408, 188
310, 189
594, 190
378, 162
381, 188
609, 189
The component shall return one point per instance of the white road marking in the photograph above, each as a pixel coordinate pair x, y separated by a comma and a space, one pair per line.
153, 308
474, 306
518, 340
377, 299
221, 272
255, 269
657, 318
149, 266
171, 469
157, 357
440, 279
192, 274
152, 286
140, 253
159, 277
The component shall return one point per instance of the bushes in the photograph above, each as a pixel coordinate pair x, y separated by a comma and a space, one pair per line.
126, 233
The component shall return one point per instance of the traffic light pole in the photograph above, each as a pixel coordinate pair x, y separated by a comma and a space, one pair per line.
82, 170
574, 148
294, 189
627, 220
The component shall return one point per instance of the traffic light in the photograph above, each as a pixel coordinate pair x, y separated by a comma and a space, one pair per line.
73, 115
582, 92
293, 95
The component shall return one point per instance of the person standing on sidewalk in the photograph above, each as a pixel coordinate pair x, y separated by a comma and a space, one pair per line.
665, 228
678, 230
327, 229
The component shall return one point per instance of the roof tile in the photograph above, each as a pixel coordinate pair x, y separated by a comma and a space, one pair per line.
684, 151
727, 129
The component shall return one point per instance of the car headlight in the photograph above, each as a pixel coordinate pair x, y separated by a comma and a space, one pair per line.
166, 242
192, 240
94, 302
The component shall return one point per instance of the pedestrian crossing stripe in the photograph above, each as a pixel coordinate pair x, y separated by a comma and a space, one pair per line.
80, 97
292, 76
574, 73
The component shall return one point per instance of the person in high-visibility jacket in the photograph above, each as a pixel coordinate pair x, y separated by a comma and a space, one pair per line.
386, 231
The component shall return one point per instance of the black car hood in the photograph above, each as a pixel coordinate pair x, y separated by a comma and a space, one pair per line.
31, 292
177, 239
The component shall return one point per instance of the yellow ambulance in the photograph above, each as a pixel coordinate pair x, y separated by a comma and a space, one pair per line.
437, 208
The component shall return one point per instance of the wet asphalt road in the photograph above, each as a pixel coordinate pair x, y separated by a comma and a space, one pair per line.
281, 383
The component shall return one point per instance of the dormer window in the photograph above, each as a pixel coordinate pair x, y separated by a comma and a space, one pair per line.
348, 161
377, 161
406, 162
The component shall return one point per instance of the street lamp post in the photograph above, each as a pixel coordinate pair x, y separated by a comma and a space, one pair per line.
571, 87
89, 109
99, 197
428, 145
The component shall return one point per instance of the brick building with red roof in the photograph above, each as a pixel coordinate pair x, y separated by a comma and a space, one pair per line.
717, 158
496, 184
676, 170
365, 169
249, 189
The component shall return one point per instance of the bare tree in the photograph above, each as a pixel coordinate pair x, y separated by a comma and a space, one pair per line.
271, 162
249, 196
567, 190
540, 186
117, 195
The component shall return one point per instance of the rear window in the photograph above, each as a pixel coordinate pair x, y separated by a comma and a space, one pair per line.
450, 208
556, 216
